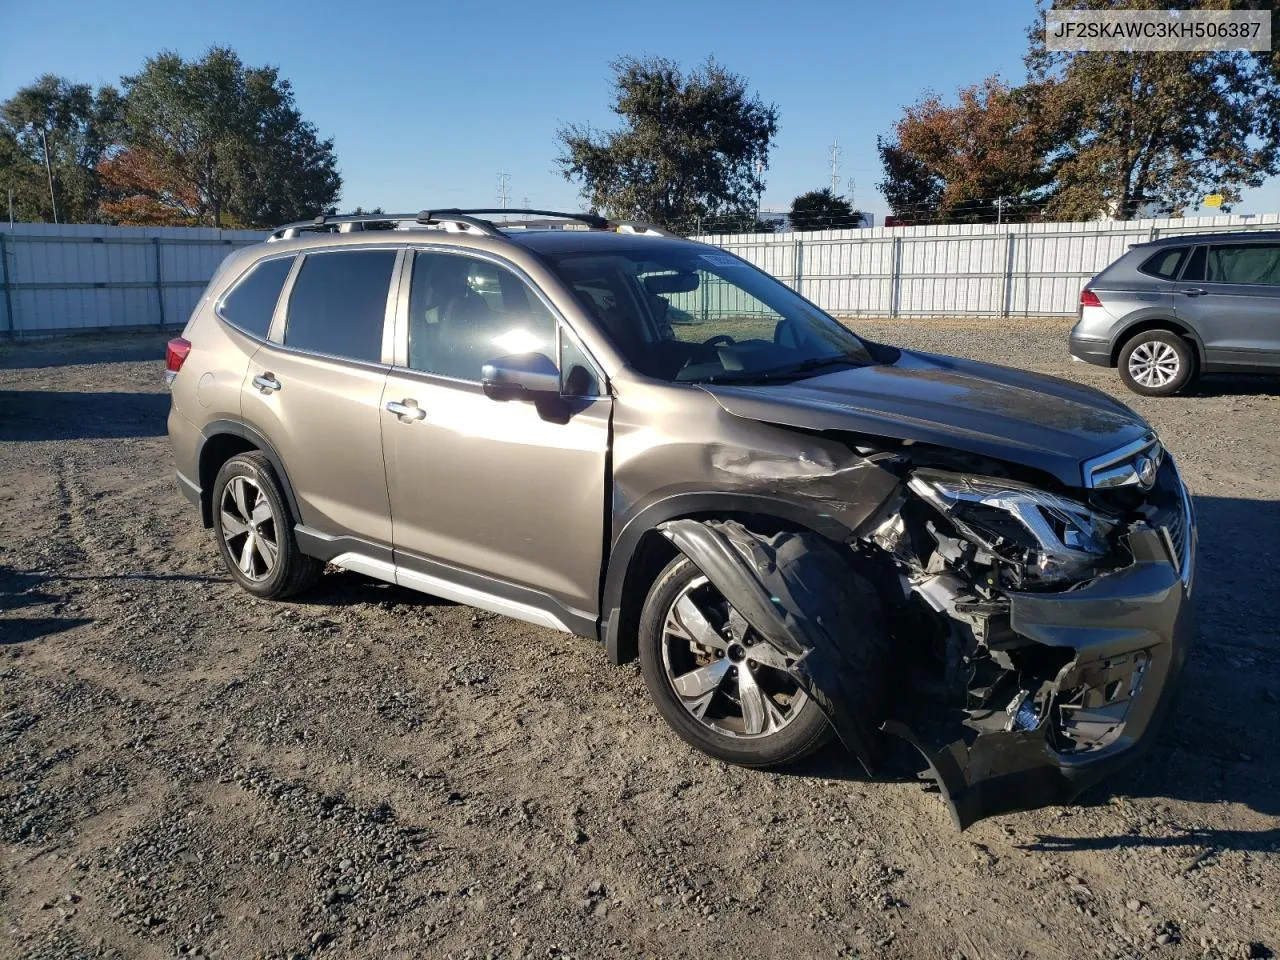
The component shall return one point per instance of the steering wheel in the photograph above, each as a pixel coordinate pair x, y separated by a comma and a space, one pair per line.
719, 338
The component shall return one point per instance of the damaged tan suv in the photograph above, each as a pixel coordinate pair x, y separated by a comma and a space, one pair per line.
604, 429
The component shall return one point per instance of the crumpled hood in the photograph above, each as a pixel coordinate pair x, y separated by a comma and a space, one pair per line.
1031, 419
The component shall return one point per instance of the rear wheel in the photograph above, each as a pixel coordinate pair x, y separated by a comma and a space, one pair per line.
255, 530
720, 686
1156, 363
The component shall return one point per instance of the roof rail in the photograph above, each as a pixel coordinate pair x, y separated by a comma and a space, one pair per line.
345, 224
590, 219
455, 220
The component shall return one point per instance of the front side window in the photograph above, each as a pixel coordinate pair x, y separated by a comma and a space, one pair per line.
252, 301
1241, 263
679, 313
339, 302
465, 312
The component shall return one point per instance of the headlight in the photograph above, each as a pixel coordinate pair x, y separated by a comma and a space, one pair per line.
1050, 537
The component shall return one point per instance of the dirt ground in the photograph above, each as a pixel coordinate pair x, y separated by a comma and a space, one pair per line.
372, 772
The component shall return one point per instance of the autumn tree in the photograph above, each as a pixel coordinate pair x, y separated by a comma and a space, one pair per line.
215, 142
1147, 127
955, 161
53, 133
692, 147
823, 210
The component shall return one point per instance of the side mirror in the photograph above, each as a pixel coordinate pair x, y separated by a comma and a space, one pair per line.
520, 376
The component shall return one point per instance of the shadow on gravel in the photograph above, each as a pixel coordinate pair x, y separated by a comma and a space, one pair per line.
1234, 384
33, 415
26, 630
74, 351
342, 587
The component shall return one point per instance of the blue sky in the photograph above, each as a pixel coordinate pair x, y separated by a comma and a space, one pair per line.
428, 101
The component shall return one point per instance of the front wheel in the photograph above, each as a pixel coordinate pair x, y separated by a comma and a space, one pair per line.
721, 687
1157, 363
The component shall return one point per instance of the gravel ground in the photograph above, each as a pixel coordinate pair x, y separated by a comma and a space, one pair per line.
185, 770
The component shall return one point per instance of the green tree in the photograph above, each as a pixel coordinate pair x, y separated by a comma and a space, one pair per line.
691, 148
53, 133
823, 210
228, 136
1142, 127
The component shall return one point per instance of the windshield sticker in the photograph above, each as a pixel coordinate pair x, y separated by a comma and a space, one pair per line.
720, 260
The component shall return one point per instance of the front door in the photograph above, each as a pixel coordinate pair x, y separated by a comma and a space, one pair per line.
509, 491
1230, 294
315, 392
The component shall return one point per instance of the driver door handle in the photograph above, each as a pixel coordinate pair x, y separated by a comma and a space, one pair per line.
1194, 292
407, 410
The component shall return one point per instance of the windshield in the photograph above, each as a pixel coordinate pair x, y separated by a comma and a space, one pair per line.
693, 315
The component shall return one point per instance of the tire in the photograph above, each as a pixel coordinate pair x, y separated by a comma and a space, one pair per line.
805, 731
1157, 363
255, 530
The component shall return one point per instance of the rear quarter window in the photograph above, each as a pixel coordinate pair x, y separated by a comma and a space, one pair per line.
1164, 264
251, 302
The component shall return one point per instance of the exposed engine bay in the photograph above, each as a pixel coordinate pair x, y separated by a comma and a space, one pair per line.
1029, 629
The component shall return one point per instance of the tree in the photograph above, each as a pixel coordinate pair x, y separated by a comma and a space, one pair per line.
823, 210
53, 133
1155, 127
220, 143
691, 146
955, 162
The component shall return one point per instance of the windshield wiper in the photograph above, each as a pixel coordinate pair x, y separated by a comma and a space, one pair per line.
789, 372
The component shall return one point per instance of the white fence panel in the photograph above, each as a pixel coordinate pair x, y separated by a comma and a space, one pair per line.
1032, 269
67, 277
58, 278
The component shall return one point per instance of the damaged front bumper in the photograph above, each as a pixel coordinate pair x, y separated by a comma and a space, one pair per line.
1116, 643
1129, 632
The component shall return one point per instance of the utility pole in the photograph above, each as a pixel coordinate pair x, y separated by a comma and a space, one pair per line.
999, 210
835, 168
504, 189
48, 169
759, 190
11, 209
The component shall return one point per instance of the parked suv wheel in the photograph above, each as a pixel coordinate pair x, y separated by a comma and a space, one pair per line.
1156, 363
255, 530
714, 683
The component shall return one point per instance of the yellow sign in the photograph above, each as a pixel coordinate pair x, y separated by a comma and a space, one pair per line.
1213, 200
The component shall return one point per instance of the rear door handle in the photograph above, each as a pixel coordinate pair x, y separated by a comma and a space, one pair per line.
1194, 292
407, 410
266, 382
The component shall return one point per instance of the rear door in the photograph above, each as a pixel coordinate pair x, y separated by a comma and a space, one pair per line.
315, 390
1230, 294
510, 491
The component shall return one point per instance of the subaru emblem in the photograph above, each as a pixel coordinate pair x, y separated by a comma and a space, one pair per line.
1146, 470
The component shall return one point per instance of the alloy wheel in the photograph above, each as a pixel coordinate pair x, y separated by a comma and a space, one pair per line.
725, 675
1154, 364
249, 528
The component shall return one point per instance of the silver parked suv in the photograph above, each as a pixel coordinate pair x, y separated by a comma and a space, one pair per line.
1170, 310
604, 429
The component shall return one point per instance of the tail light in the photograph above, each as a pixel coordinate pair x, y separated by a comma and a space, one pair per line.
1089, 299
175, 355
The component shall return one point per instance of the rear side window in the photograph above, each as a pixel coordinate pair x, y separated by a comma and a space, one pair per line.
339, 302
1243, 263
252, 301
1164, 264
